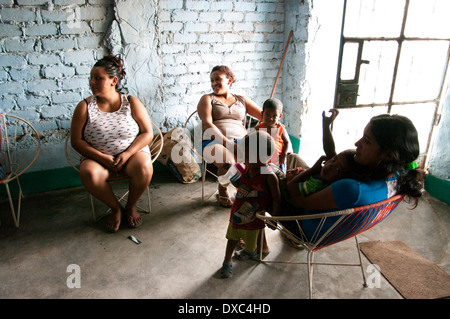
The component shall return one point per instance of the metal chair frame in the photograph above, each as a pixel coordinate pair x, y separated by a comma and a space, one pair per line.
365, 217
155, 145
13, 131
248, 124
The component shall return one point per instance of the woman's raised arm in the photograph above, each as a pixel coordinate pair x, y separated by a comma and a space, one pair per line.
253, 109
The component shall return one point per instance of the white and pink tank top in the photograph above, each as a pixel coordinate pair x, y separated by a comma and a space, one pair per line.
110, 132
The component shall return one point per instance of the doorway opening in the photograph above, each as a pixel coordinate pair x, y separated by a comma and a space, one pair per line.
394, 58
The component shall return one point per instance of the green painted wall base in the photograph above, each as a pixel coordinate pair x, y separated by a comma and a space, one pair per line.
295, 144
438, 188
66, 177
49, 180
43, 181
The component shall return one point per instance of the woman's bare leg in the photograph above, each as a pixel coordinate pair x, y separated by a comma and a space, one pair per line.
94, 178
140, 170
219, 156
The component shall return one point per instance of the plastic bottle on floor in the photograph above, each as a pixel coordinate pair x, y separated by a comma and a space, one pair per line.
232, 175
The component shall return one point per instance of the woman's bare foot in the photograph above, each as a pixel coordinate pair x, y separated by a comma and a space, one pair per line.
113, 223
133, 218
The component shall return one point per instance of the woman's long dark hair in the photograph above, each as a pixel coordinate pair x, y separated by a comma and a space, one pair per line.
114, 66
396, 134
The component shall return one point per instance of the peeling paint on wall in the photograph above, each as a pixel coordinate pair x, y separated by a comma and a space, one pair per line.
134, 35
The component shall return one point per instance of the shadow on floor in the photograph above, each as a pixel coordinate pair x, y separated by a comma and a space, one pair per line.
183, 244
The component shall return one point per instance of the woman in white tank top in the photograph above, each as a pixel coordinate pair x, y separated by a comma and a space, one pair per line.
112, 132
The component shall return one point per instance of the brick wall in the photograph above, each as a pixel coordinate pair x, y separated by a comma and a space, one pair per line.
47, 48
197, 35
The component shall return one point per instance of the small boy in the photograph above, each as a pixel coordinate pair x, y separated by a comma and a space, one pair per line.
272, 112
257, 190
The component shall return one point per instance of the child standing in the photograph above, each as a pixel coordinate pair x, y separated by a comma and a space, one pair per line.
271, 113
257, 190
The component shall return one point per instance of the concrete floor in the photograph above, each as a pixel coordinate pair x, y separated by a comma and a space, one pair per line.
183, 243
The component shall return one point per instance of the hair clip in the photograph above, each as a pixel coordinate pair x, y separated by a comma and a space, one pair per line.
412, 165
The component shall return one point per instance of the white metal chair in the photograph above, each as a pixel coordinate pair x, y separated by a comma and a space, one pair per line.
19, 148
344, 225
73, 157
193, 126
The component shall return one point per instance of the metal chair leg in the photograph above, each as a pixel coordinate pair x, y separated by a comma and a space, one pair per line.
148, 201
203, 180
310, 261
360, 262
15, 214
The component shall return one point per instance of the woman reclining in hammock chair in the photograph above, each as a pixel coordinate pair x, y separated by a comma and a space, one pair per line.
385, 156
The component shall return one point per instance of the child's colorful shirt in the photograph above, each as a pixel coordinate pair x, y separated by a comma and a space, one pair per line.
252, 196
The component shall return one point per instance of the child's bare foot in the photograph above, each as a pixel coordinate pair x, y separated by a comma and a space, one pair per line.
224, 198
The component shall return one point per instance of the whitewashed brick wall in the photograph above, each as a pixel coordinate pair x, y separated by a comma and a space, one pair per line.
197, 35
47, 49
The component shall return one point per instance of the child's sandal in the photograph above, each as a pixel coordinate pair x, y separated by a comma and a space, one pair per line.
227, 270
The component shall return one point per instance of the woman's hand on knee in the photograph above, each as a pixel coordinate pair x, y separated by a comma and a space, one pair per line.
107, 161
120, 161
